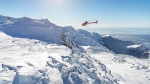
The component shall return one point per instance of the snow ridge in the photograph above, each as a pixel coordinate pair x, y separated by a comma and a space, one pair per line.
37, 57
44, 30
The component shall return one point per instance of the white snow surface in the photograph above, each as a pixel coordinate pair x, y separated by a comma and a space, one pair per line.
44, 30
133, 46
26, 61
28, 57
127, 69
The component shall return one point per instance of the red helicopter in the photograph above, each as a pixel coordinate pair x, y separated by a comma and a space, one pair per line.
86, 23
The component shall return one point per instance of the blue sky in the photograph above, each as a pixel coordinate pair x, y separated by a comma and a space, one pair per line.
110, 13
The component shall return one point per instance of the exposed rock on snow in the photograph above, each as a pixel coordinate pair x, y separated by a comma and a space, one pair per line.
142, 51
115, 45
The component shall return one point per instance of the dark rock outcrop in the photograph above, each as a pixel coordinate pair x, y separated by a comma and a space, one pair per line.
143, 51
115, 45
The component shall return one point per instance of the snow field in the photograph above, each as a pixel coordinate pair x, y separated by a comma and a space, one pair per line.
36, 57
127, 69
26, 61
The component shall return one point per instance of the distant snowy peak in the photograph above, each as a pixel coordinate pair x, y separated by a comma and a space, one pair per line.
92, 35
2, 18
84, 32
5, 18
144, 47
141, 51
69, 29
26, 20
47, 22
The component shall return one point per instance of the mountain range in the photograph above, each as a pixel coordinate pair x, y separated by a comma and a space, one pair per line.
36, 51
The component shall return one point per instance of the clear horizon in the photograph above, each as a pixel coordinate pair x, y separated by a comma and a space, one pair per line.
110, 13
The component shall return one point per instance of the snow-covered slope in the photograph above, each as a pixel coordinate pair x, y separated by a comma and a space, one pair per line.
127, 69
30, 53
44, 30
30, 28
25, 61
92, 35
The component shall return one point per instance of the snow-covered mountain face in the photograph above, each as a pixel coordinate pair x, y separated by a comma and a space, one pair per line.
30, 28
44, 30
127, 47
36, 58
26, 61
141, 51
115, 45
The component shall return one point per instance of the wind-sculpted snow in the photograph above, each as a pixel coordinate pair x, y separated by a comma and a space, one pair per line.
127, 69
25, 61
85, 70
